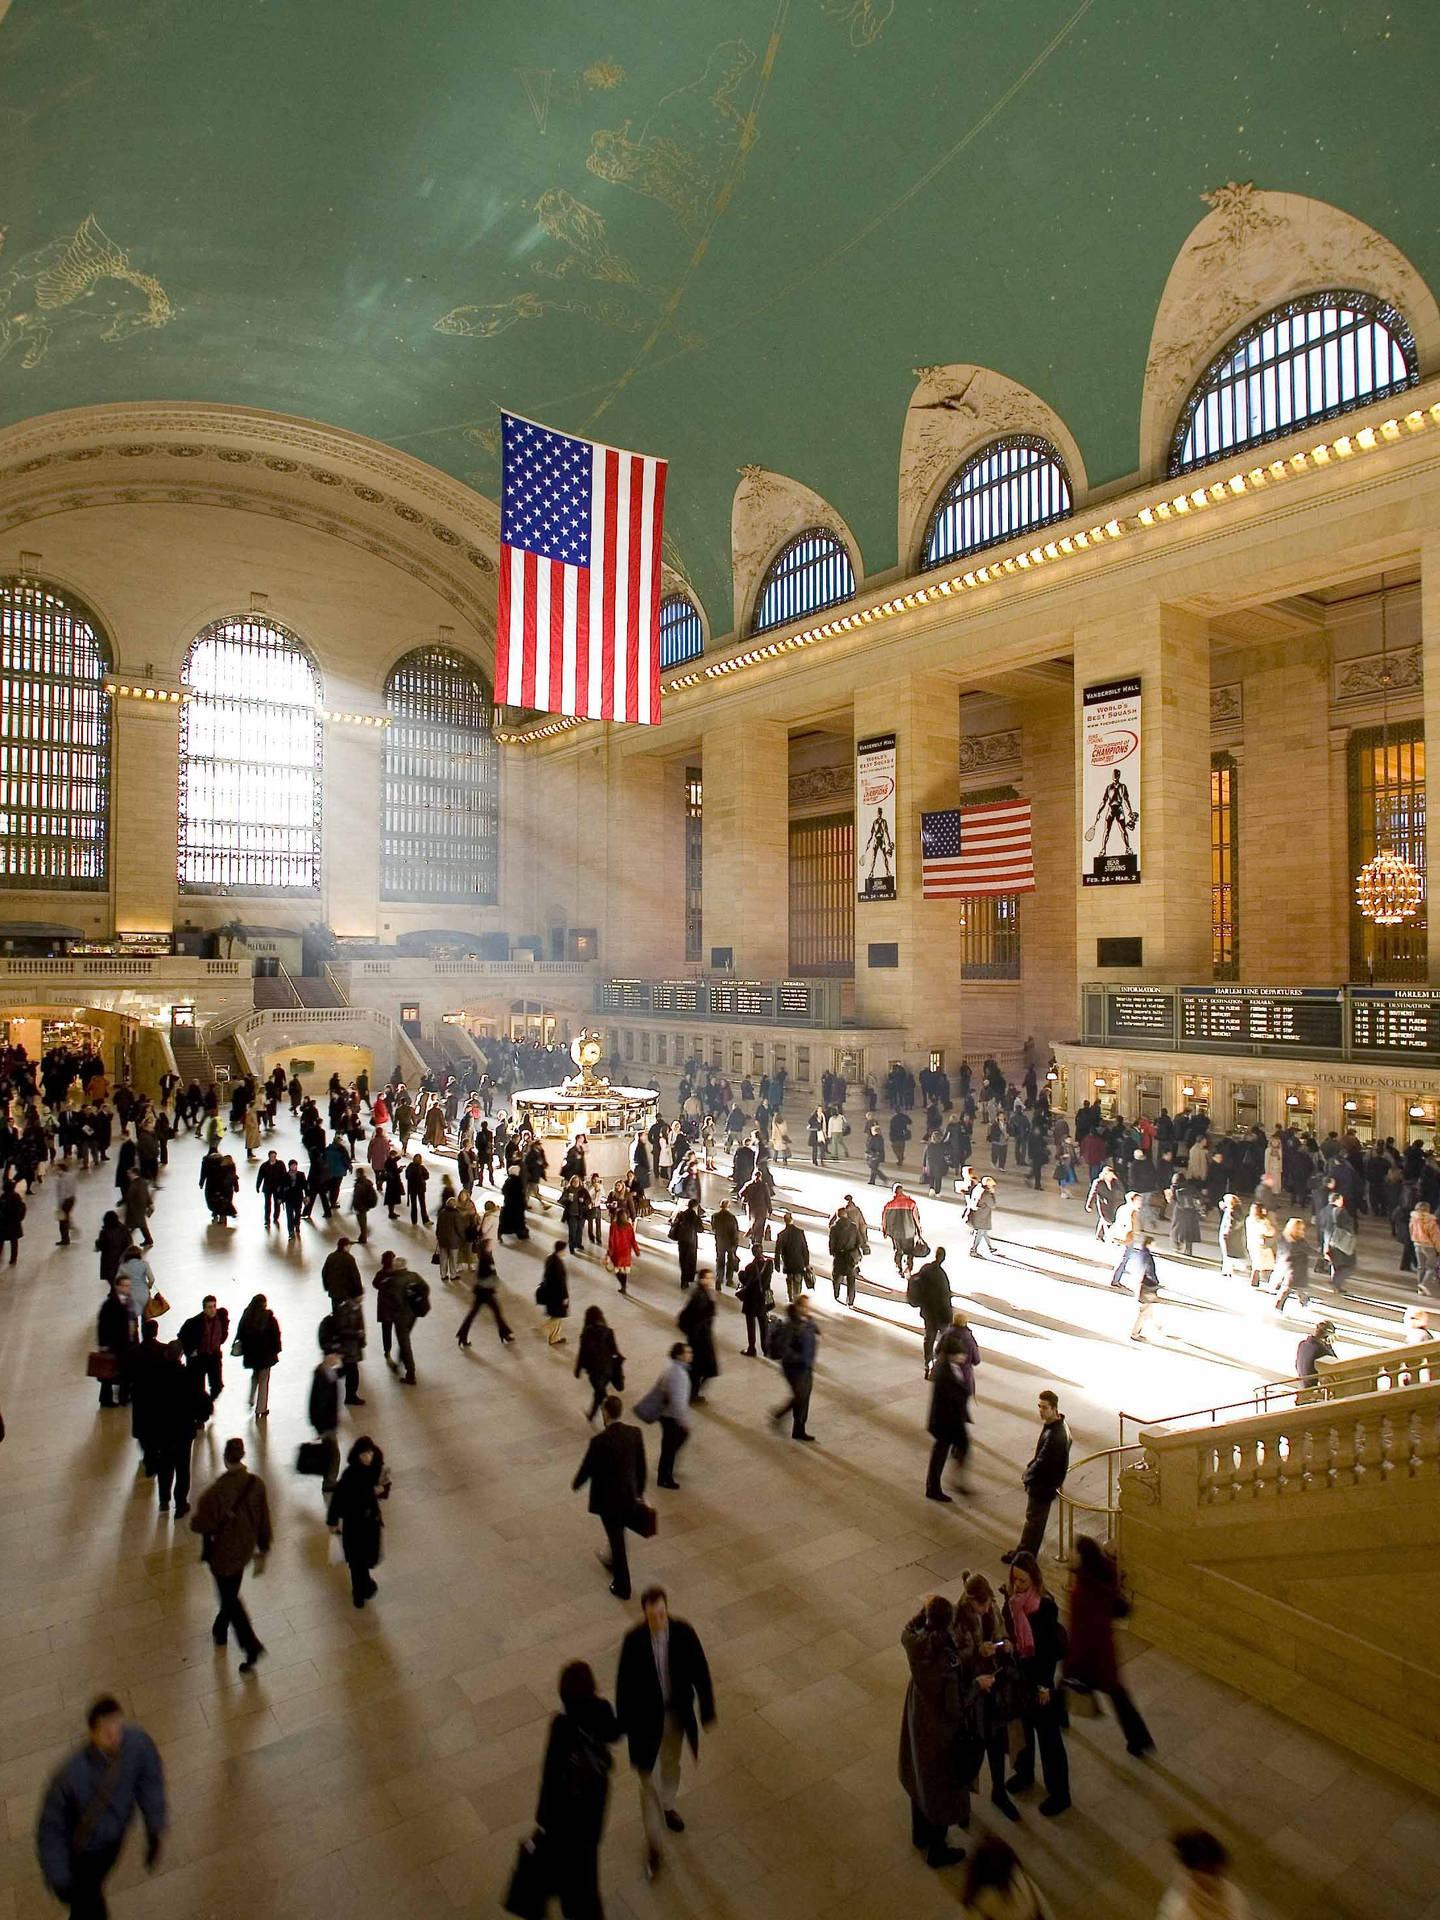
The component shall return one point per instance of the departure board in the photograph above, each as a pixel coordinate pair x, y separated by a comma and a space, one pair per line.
1394, 1021
739, 1000
625, 996
795, 999
1282, 1017
1137, 1014
675, 996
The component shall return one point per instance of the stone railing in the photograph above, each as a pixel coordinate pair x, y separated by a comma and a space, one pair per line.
1379, 1442
1412, 1366
465, 969
165, 969
349, 1026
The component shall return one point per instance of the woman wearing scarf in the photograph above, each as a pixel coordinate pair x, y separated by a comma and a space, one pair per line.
1032, 1625
933, 1720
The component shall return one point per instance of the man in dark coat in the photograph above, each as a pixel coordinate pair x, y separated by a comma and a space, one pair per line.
792, 1256
204, 1336
952, 1377
726, 1229
1044, 1474
662, 1683
844, 1253
685, 1231
232, 1516
178, 1408
697, 1322
340, 1275
796, 1355
395, 1311
614, 1467
929, 1293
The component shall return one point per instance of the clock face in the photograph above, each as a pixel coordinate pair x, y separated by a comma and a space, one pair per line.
586, 1050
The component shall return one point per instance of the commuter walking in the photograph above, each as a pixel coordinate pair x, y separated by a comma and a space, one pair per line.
553, 1294
614, 1469
663, 1697
89, 1804
928, 1291
952, 1387
668, 1401
233, 1518
1091, 1663
795, 1351
354, 1513
575, 1791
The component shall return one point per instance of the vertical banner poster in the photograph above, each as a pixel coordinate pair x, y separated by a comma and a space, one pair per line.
875, 817
1110, 792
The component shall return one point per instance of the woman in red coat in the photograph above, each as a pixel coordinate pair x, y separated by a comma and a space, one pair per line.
620, 1246
1096, 1602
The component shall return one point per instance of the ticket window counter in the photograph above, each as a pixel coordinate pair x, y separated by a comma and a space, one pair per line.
1244, 1106
1195, 1096
1149, 1096
1301, 1104
1422, 1118
1357, 1115
1105, 1092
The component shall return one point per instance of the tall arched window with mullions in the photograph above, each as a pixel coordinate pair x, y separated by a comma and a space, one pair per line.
440, 828
54, 741
1009, 486
811, 572
250, 755
682, 631
1307, 361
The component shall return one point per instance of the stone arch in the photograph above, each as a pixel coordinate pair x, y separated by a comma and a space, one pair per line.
954, 411
1253, 251
769, 509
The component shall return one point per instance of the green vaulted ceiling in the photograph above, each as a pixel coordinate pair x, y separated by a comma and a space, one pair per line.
723, 231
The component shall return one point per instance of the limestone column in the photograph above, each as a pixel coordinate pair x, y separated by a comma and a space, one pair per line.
921, 994
745, 842
643, 930
350, 829
1430, 670
145, 813
1047, 916
1169, 652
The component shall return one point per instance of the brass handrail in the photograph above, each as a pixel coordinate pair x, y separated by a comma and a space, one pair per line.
1070, 1506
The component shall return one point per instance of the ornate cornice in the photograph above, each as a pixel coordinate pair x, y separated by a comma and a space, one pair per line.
822, 783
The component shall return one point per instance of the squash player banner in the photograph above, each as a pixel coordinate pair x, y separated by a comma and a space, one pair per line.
875, 817
1110, 790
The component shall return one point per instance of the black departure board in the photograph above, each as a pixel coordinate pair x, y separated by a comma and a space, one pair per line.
1137, 1014
625, 996
1394, 1021
1282, 1017
740, 1000
795, 998
675, 996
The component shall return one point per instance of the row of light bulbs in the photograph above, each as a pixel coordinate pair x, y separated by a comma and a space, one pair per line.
172, 696
1344, 447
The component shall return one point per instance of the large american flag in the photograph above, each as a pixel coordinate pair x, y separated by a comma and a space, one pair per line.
579, 618
985, 849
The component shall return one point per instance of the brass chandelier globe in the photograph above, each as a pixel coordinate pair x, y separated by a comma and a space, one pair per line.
1388, 889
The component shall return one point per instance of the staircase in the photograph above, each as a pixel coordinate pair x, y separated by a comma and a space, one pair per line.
192, 1062
1296, 1555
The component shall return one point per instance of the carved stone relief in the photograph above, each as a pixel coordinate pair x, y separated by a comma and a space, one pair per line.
1251, 252
768, 509
1227, 707
990, 752
953, 411
822, 783
1359, 678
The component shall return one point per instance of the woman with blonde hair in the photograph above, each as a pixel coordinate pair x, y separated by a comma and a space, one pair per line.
1259, 1244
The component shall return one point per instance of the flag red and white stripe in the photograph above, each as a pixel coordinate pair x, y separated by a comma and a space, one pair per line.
996, 854
578, 629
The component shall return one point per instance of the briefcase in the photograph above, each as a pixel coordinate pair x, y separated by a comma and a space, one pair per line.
311, 1459
528, 1894
644, 1520
102, 1364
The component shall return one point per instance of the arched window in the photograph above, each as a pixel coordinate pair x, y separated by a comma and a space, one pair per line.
810, 572
250, 745
1306, 361
54, 741
1012, 484
440, 828
682, 632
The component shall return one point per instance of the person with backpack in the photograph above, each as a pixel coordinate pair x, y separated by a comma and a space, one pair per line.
792, 1346
844, 1243
668, 1402
900, 1224
232, 1517
402, 1298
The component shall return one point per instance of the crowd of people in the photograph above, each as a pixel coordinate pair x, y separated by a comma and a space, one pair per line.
994, 1673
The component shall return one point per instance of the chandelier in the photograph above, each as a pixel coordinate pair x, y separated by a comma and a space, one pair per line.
1388, 889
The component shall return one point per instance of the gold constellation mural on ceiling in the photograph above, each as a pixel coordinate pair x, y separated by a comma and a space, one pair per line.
685, 146
866, 18
51, 288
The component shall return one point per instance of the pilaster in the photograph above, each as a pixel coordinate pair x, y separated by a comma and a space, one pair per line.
350, 828
145, 813
745, 840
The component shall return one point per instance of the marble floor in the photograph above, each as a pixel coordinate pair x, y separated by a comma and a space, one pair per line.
385, 1762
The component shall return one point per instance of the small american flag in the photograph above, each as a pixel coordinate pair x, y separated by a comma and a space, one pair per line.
968, 850
578, 630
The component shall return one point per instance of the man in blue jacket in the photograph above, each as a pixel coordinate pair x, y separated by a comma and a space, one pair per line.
89, 1805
